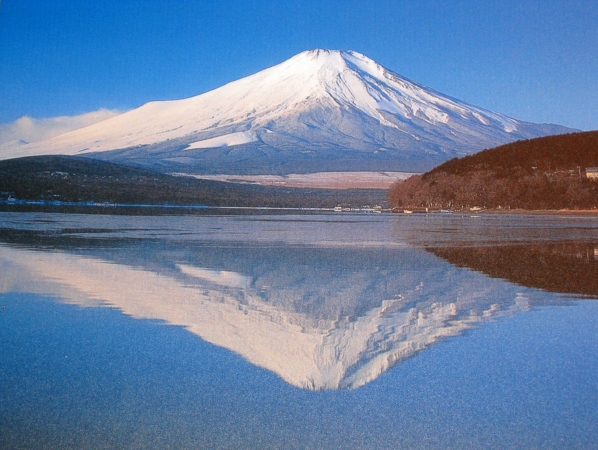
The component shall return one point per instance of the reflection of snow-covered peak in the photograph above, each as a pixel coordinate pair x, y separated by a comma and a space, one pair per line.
244, 313
220, 277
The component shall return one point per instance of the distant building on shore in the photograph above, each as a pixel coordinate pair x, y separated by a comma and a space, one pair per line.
592, 172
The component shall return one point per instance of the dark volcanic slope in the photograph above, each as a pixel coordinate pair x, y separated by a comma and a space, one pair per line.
76, 179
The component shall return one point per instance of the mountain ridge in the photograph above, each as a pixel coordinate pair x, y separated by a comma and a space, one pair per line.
321, 110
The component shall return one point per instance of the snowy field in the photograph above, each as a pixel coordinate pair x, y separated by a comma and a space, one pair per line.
320, 180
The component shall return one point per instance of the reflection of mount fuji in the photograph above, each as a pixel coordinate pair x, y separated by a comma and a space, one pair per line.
321, 318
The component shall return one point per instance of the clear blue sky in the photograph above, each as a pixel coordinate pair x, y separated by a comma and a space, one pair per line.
532, 60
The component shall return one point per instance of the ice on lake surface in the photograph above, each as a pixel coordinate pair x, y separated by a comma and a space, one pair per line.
298, 331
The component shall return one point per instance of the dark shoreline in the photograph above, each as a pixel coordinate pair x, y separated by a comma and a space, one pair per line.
541, 212
173, 209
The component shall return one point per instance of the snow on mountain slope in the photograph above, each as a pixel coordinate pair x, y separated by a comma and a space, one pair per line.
320, 110
226, 140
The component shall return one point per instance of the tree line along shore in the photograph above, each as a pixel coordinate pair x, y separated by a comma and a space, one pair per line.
66, 179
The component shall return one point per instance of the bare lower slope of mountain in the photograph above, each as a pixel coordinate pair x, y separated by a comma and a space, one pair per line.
318, 111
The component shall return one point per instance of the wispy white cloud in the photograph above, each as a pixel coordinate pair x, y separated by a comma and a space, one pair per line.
28, 129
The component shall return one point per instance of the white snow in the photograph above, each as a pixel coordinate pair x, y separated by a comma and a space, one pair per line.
318, 180
481, 118
227, 140
276, 97
219, 277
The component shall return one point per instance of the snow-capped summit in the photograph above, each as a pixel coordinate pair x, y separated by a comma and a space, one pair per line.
319, 110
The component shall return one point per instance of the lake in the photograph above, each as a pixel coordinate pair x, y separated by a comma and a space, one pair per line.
297, 331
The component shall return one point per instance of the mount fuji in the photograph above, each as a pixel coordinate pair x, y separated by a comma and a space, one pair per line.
319, 111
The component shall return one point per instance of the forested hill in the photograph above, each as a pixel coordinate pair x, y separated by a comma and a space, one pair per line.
75, 179
542, 173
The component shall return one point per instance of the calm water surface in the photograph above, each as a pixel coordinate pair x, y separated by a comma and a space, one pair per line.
298, 331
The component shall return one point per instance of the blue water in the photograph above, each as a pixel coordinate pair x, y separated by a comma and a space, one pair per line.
78, 375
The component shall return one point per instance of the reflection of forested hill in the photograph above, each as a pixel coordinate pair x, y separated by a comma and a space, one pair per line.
570, 268
542, 173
